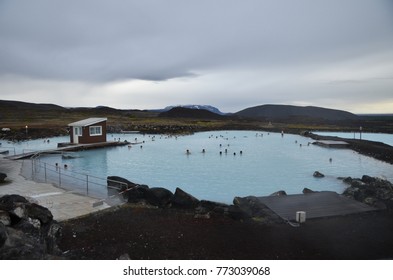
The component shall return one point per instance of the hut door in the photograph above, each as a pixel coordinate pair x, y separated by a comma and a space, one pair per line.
77, 133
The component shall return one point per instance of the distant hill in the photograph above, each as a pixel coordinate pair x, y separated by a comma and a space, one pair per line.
289, 112
19, 114
18, 105
182, 112
205, 107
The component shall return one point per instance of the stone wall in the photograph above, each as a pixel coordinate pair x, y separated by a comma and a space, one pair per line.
27, 230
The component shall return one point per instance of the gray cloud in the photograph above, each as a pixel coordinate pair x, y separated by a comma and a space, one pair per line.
101, 42
158, 40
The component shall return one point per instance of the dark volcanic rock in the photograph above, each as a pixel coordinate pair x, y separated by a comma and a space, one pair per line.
372, 191
307, 190
2, 177
27, 230
212, 206
238, 213
120, 183
182, 199
159, 196
28, 226
53, 234
356, 183
8, 202
137, 194
347, 180
368, 179
3, 235
279, 193
35, 211
208, 209
254, 209
5, 218
244, 204
318, 174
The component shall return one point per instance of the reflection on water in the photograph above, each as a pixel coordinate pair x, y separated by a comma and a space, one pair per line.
223, 164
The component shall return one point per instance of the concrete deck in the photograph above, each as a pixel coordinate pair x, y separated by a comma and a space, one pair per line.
63, 204
332, 143
316, 205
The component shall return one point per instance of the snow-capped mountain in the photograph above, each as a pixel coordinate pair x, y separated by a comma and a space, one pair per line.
205, 107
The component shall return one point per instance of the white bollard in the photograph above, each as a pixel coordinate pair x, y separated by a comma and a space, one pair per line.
301, 217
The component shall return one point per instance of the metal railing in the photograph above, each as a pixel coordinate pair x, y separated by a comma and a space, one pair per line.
77, 182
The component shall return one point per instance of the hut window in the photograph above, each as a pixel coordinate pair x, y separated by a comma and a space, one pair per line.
95, 130
77, 131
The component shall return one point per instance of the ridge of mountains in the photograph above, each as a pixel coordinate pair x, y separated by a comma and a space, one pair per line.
19, 105
268, 112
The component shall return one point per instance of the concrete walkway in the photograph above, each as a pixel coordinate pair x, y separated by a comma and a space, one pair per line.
63, 204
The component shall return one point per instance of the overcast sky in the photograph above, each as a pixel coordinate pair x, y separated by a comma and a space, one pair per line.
231, 54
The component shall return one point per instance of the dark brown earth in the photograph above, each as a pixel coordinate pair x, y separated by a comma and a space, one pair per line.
149, 233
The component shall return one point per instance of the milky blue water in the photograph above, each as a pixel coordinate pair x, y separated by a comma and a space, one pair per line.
268, 163
379, 137
32, 145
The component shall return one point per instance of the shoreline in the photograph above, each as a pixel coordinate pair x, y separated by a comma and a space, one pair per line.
376, 150
387, 156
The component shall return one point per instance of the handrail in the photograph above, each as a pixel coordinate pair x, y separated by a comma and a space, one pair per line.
63, 173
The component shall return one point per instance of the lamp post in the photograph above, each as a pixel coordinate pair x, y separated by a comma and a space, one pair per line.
26, 130
360, 132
